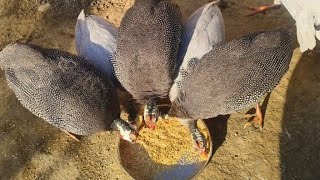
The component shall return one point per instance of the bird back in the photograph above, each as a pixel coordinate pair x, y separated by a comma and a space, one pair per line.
148, 40
59, 87
235, 75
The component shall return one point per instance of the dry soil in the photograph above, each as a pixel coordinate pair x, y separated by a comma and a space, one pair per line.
287, 148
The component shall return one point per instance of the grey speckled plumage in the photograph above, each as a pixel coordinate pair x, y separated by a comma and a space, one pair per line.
61, 88
147, 45
233, 76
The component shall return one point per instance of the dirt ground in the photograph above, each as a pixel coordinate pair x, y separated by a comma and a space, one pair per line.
287, 148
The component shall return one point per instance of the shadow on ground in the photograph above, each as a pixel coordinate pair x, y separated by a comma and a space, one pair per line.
218, 130
300, 137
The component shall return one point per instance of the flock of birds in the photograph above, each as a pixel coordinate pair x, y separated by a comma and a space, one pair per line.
152, 55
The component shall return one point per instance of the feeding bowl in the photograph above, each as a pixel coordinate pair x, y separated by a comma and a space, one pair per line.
167, 160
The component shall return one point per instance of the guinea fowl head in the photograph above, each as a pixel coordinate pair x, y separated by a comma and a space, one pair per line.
151, 113
127, 132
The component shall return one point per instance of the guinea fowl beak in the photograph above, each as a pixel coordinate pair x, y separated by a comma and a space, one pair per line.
151, 114
204, 154
153, 125
150, 121
201, 148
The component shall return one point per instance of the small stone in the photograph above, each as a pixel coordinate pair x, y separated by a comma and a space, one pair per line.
44, 8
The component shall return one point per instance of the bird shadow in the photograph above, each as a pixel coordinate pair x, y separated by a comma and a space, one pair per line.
300, 137
218, 130
21, 134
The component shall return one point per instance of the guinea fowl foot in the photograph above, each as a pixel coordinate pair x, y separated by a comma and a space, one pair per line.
257, 10
71, 135
257, 120
133, 113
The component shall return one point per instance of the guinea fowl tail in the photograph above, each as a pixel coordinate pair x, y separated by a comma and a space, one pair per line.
12, 52
15, 52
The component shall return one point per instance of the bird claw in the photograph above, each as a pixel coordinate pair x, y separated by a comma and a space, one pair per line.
71, 135
257, 10
256, 121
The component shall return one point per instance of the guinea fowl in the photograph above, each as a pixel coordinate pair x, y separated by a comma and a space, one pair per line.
96, 41
231, 77
202, 31
145, 58
63, 89
306, 13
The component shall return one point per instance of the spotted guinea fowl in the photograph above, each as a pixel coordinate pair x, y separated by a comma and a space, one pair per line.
62, 89
231, 77
145, 58
306, 13
202, 31
96, 41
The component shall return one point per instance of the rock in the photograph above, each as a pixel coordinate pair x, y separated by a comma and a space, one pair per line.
44, 7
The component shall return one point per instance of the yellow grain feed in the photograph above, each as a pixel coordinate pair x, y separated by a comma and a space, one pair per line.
168, 142
155, 150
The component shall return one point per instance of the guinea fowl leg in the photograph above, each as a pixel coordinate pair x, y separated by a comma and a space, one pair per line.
133, 112
200, 142
258, 119
262, 9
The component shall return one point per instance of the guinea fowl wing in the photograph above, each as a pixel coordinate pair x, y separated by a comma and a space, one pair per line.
202, 31
96, 41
